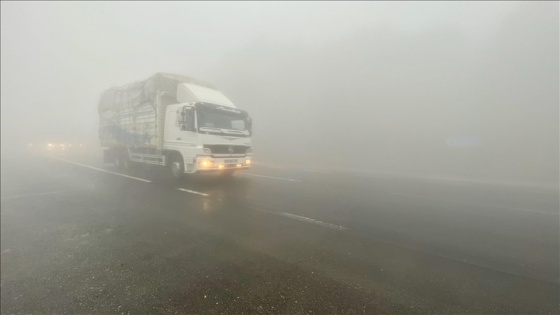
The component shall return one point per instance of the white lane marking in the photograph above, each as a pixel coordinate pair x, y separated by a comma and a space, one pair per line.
42, 194
193, 192
309, 220
272, 177
106, 171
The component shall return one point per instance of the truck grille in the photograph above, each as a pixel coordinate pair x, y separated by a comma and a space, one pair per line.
226, 149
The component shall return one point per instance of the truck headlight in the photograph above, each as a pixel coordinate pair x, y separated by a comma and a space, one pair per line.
248, 161
205, 163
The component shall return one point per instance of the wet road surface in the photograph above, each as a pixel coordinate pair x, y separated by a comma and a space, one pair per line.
78, 236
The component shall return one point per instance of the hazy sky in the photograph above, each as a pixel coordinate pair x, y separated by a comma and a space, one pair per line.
57, 58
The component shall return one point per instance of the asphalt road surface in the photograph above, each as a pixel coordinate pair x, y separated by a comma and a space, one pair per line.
78, 236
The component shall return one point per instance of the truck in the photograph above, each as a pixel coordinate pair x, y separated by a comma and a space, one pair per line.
177, 122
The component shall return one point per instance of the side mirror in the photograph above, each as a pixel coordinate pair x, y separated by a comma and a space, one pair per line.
180, 117
182, 121
188, 119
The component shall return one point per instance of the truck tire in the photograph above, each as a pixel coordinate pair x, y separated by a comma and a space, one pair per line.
176, 166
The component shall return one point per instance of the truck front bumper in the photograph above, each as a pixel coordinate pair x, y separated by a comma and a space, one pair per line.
219, 164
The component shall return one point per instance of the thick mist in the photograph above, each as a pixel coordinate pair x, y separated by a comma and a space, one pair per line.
467, 90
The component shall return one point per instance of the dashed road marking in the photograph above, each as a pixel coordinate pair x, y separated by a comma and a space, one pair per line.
313, 221
193, 192
102, 170
309, 220
272, 177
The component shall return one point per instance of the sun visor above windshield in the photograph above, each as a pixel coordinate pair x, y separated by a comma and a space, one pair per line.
187, 93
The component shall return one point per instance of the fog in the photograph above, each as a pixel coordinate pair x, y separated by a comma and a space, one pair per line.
461, 90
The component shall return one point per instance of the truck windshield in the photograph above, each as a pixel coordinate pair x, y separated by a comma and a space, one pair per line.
221, 119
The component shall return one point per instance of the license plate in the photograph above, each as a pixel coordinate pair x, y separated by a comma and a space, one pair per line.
230, 161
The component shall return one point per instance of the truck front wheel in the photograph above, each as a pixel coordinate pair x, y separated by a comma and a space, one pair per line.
176, 166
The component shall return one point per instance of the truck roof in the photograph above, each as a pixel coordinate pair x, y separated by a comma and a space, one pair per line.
145, 91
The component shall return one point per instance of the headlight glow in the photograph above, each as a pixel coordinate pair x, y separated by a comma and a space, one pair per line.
205, 163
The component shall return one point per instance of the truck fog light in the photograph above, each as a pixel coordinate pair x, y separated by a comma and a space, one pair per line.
221, 166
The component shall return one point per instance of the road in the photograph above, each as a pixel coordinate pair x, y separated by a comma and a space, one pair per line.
78, 236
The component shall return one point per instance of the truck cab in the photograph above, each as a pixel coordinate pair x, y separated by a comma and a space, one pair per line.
209, 137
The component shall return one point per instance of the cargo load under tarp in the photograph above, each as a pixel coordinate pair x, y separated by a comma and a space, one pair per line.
130, 115
142, 92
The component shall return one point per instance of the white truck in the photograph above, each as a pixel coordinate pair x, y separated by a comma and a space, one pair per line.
177, 122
